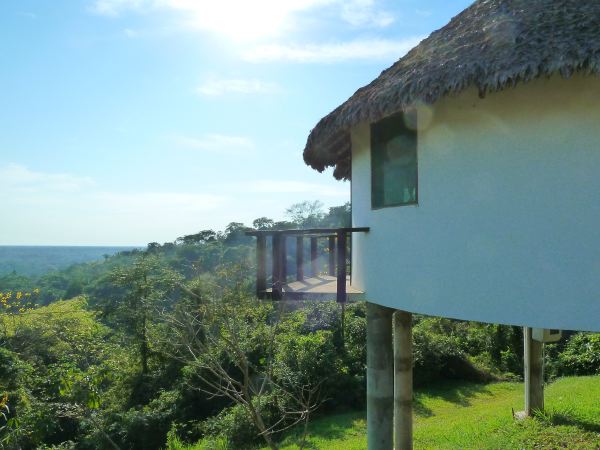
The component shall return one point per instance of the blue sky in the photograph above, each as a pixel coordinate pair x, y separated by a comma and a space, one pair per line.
131, 121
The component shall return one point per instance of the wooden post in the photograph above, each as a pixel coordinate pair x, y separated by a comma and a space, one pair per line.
314, 270
403, 381
341, 266
534, 373
299, 258
261, 265
380, 377
331, 269
283, 259
350, 256
276, 266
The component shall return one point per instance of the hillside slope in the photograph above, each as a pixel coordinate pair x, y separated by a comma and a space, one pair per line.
472, 416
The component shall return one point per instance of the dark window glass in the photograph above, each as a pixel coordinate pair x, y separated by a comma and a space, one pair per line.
393, 162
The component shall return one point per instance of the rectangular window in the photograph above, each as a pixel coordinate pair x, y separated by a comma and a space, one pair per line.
393, 162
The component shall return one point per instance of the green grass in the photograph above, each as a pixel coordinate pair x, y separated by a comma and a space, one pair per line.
472, 416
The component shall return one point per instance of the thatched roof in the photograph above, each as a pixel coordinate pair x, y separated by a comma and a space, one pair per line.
492, 45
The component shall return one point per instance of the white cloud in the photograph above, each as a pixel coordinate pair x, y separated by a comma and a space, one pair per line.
19, 177
110, 7
363, 13
238, 19
243, 19
294, 187
217, 143
61, 209
116, 7
106, 218
156, 203
86, 214
368, 49
215, 88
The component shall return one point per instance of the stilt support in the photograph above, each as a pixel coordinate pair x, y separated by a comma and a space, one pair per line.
403, 381
534, 373
380, 377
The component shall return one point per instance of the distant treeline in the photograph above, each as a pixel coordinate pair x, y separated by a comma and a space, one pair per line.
34, 261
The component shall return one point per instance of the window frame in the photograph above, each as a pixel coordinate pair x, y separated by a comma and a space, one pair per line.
373, 143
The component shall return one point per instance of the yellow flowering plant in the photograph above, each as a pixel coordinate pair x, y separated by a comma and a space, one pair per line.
18, 302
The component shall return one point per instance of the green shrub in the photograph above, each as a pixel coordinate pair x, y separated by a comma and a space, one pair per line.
138, 429
581, 355
234, 425
438, 353
338, 351
306, 359
353, 391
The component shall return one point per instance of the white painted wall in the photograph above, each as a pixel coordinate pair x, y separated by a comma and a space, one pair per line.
507, 229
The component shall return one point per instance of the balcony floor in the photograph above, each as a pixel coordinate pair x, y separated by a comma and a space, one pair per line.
323, 287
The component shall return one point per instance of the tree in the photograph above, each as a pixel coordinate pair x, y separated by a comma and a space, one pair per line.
153, 247
306, 214
228, 344
263, 223
201, 237
235, 234
46, 349
147, 286
339, 216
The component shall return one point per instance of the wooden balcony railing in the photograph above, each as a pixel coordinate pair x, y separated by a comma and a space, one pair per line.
337, 266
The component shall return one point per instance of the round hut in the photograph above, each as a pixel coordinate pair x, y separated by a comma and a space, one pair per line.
475, 162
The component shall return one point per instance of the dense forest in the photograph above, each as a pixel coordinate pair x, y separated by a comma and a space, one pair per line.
38, 260
169, 344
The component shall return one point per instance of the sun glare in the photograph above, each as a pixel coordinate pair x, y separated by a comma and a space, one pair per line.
242, 19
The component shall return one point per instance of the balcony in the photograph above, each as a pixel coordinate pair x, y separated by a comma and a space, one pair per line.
335, 257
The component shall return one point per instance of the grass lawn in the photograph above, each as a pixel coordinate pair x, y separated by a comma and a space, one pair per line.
471, 416
476, 416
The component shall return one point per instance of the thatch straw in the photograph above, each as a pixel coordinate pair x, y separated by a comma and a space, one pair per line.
493, 44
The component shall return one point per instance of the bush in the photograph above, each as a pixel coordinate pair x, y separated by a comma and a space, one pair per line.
145, 429
234, 425
438, 353
319, 346
581, 355
353, 392
307, 359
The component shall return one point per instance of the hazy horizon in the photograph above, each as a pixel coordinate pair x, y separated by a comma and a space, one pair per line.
73, 246
34, 260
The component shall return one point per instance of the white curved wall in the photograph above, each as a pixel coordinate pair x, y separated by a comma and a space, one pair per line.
507, 229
